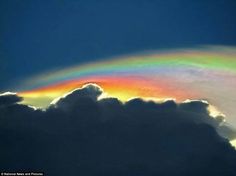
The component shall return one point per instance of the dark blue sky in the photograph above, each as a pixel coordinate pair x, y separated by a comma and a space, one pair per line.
41, 35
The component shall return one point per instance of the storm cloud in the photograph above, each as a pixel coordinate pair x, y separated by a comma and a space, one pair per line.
9, 98
79, 134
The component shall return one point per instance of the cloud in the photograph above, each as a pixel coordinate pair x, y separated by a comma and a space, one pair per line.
9, 98
87, 92
80, 134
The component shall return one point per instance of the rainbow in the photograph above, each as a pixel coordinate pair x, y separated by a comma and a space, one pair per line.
206, 72
217, 58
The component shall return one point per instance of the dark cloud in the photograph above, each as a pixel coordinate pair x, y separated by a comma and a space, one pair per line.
9, 99
81, 135
89, 92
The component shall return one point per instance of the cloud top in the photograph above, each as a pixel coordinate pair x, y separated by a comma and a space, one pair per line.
9, 98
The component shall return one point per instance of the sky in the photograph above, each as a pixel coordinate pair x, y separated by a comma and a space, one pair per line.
38, 36
128, 87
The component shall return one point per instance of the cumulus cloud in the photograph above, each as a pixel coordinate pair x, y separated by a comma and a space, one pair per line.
80, 134
9, 98
87, 92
